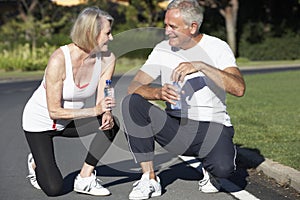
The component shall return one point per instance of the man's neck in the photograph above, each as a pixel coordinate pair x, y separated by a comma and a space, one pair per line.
193, 42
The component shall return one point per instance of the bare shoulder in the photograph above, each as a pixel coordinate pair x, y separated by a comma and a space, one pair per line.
108, 57
56, 64
57, 58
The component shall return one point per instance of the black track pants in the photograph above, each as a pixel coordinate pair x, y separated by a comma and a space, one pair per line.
209, 141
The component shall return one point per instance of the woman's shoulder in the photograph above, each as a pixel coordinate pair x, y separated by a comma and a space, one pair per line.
108, 56
57, 55
56, 61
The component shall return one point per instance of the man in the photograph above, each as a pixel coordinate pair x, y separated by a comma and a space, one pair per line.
205, 68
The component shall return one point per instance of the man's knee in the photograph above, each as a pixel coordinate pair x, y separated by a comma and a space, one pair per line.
135, 110
132, 100
223, 170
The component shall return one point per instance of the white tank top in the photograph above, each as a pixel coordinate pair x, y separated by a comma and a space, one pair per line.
36, 116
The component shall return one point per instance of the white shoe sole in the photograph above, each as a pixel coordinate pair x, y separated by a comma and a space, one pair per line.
94, 194
154, 194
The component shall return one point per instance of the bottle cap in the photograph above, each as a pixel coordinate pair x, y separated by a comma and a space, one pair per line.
108, 82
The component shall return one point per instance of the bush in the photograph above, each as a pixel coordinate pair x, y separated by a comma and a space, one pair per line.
285, 47
25, 59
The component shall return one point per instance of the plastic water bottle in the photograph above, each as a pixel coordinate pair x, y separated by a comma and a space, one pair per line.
109, 90
177, 106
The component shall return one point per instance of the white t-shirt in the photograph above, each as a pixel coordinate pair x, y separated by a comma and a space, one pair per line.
36, 116
202, 99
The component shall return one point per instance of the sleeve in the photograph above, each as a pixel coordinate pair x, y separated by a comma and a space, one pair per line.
226, 57
152, 66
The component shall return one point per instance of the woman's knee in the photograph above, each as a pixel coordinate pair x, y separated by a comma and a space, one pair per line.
50, 181
53, 189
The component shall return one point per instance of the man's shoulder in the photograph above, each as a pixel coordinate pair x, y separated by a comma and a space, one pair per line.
209, 39
164, 44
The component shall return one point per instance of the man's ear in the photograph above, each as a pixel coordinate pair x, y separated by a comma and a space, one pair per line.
194, 28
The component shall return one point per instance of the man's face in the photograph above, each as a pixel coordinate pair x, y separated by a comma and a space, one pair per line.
178, 32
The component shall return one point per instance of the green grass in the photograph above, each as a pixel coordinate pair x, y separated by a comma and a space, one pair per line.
242, 62
21, 75
267, 118
126, 65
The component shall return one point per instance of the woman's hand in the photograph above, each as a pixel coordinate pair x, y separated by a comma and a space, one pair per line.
104, 105
107, 121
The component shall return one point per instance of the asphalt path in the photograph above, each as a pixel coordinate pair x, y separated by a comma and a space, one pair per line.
116, 169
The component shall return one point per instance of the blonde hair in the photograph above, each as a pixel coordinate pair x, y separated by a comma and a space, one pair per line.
87, 27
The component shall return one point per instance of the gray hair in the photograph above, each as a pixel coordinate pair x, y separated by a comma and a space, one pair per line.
190, 10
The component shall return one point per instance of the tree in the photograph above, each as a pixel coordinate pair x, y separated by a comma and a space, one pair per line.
34, 20
229, 10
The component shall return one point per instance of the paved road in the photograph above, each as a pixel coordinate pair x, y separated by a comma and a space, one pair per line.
116, 168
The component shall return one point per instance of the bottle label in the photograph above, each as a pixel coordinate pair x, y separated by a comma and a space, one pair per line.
177, 106
109, 91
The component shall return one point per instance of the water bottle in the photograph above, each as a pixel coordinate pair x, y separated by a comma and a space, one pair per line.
177, 106
109, 90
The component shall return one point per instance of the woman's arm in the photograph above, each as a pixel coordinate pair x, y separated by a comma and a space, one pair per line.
108, 68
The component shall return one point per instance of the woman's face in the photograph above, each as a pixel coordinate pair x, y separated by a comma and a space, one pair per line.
104, 36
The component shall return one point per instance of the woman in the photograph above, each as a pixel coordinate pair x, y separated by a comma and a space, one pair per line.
74, 73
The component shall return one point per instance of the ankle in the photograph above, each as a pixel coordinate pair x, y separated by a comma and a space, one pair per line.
33, 166
86, 170
152, 175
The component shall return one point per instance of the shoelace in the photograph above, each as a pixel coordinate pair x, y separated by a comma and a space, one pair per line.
32, 178
96, 183
203, 182
205, 178
142, 186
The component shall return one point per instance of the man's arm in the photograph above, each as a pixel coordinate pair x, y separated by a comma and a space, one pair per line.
230, 79
141, 85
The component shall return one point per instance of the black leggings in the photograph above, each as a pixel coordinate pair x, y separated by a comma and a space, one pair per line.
48, 174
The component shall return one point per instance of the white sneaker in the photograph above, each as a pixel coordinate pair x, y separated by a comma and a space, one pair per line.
31, 173
145, 188
90, 185
209, 184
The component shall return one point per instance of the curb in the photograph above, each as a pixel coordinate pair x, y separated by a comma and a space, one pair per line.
284, 175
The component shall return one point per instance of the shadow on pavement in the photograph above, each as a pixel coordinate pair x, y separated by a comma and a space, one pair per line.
168, 175
246, 159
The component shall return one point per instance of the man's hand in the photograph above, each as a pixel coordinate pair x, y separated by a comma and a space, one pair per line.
169, 93
182, 70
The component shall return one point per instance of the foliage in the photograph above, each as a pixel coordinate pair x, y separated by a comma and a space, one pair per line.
23, 58
261, 47
271, 34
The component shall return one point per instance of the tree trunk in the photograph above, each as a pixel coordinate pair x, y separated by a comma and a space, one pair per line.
230, 15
